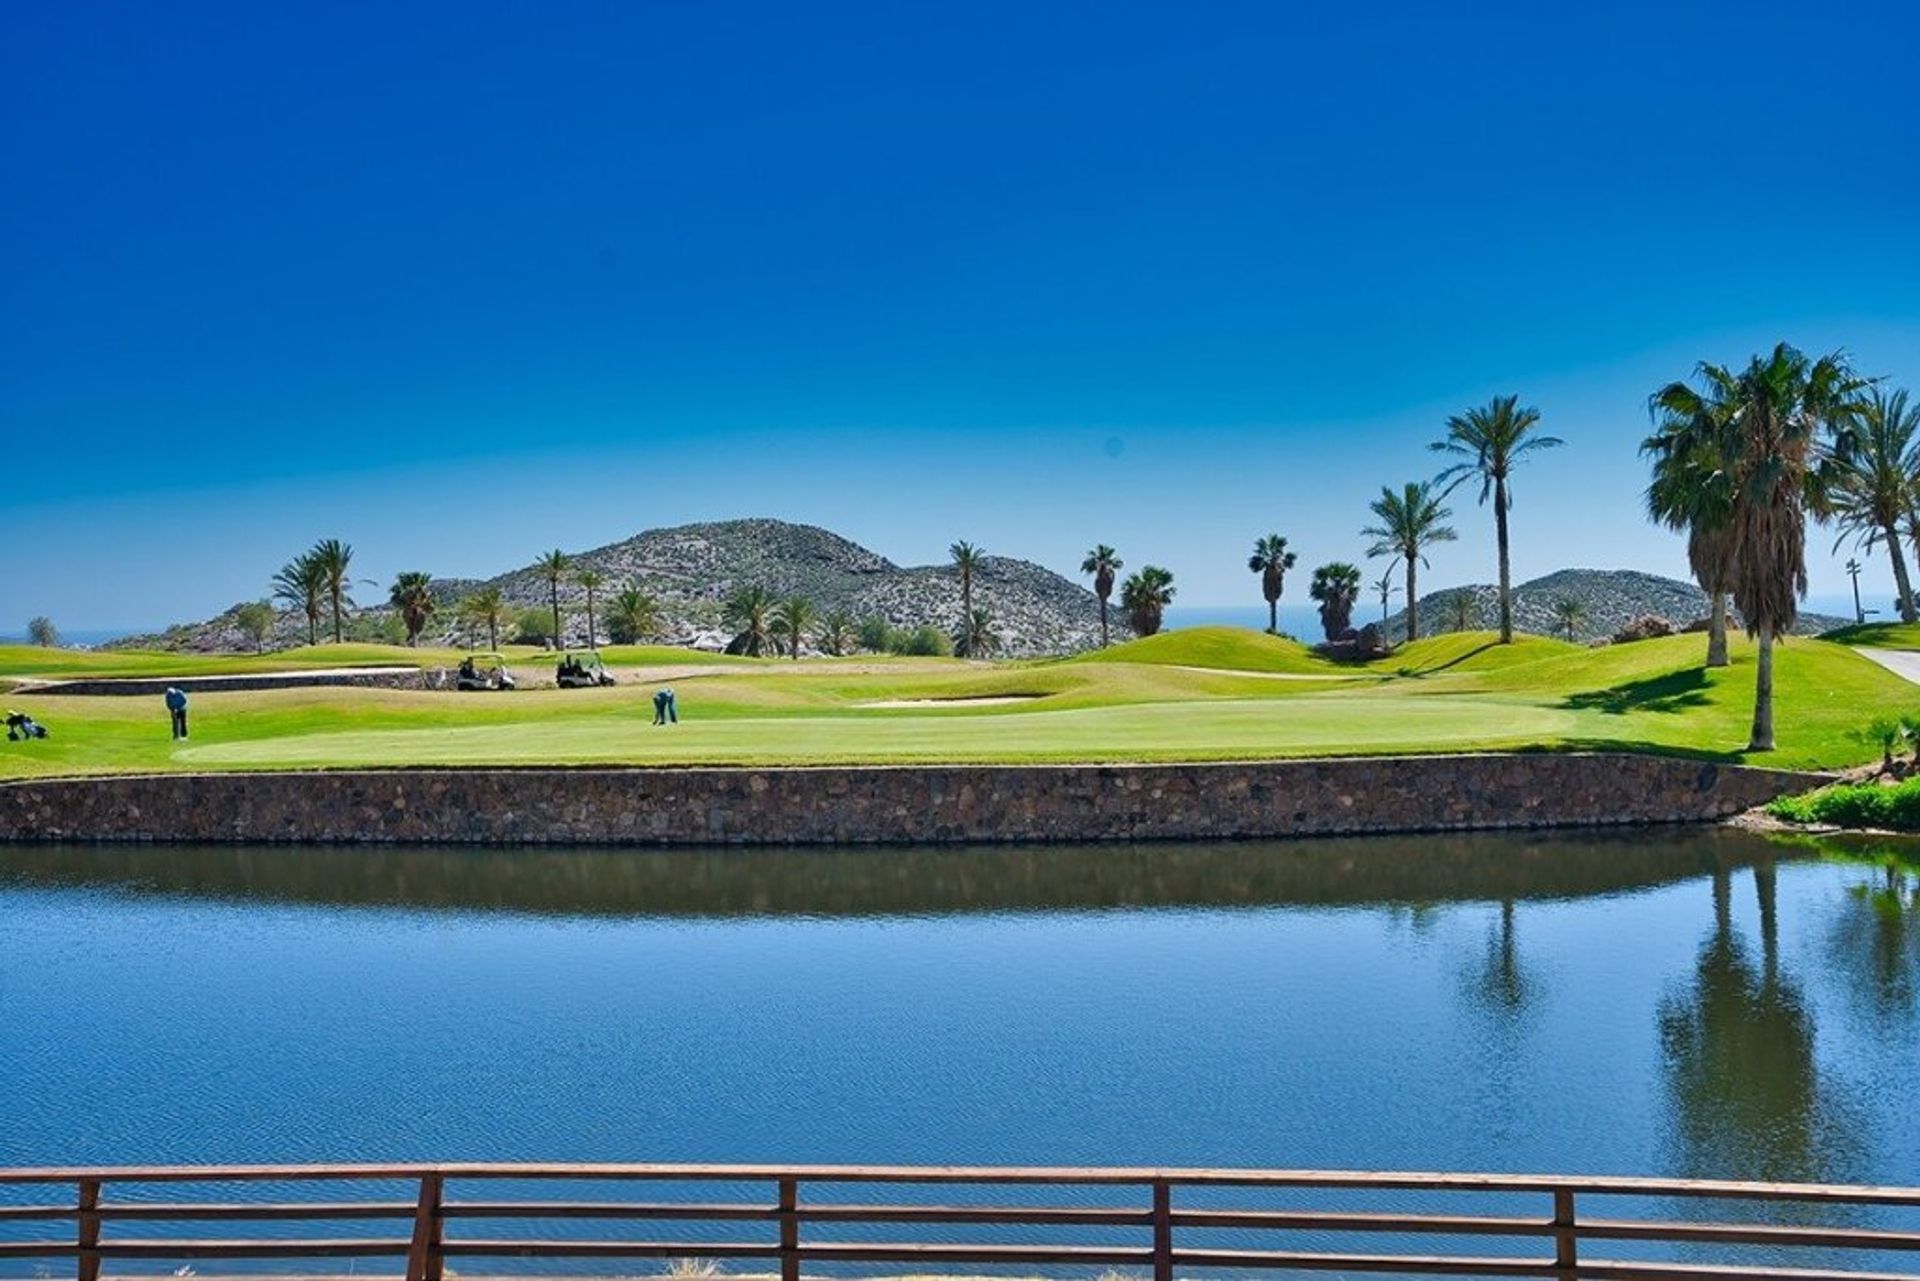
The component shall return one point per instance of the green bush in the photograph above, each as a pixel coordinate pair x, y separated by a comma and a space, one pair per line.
924, 641
875, 635
532, 626
1895, 808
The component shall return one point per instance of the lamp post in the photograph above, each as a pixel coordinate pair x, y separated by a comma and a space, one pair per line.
1853, 572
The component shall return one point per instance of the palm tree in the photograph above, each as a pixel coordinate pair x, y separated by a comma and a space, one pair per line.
1491, 440
1465, 609
1873, 483
554, 565
749, 611
967, 559
635, 616
302, 585
976, 637
1145, 596
333, 559
1384, 586
412, 595
1410, 522
1271, 560
1690, 492
1571, 614
1103, 563
1336, 586
485, 606
793, 619
838, 634
590, 581
1766, 426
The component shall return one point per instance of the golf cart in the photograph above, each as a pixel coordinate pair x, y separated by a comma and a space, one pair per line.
581, 669
483, 672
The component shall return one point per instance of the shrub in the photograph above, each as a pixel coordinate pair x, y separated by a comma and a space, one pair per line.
532, 626
42, 632
1896, 808
924, 641
1645, 627
874, 635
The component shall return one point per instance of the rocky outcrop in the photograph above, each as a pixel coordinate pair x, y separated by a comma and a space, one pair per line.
691, 569
1609, 600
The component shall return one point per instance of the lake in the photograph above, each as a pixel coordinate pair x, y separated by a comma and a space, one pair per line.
1691, 1003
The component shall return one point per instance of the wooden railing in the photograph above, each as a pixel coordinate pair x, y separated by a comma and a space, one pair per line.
1149, 1226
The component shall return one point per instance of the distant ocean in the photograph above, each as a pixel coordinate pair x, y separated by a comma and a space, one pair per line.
1302, 621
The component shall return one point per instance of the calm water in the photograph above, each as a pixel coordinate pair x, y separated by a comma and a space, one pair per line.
1704, 1004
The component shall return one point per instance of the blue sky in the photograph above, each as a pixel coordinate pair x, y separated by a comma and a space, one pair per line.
460, 283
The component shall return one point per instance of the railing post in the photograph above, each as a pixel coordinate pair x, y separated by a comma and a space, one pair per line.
1162, 1230
87, 1217
423, 1255
1566, 1236
789, 1230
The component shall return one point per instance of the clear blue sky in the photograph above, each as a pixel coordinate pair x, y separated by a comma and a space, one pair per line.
459, 283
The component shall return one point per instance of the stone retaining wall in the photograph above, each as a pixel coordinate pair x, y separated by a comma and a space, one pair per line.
919, 804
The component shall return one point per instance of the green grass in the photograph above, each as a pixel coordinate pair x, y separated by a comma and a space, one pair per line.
1145, 701
1877, 635
1224, 648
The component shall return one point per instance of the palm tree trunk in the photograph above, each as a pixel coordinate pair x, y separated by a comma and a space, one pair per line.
1762, 740
1103, 622
1413, 604
1506, 570
1717, 632
553, 586
493, 632
1273, 616
336, 615
1900, 581
590, 627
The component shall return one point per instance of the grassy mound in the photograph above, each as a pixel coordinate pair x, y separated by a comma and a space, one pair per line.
1878, 635
1473, 652
1234, 649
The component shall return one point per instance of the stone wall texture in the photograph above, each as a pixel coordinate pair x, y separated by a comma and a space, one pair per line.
919, 804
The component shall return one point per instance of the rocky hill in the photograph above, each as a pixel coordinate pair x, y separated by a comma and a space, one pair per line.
1610, 598
692, 568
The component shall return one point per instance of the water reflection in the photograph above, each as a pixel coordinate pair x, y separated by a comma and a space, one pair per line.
1742, 1079
1413, 874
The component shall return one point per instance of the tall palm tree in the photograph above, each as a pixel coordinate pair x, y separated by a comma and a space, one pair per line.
967, 559
1873, 483
485, 606
749, 612
977, 637
1491, 440
1571, 614
793, 619
1336, 586
1691, 492
302, 585
1410, 522
334, 559
1145, 596
555, 565
412, 595
635, 616
1271, 560
1103, 563
590, 580
1768, 427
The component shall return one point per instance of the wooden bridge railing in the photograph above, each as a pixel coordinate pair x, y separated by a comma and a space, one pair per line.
1151, 1229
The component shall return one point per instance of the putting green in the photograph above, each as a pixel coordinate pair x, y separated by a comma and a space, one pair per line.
1246, 728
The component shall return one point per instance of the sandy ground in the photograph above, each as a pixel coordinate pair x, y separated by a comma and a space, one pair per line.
1000, 701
